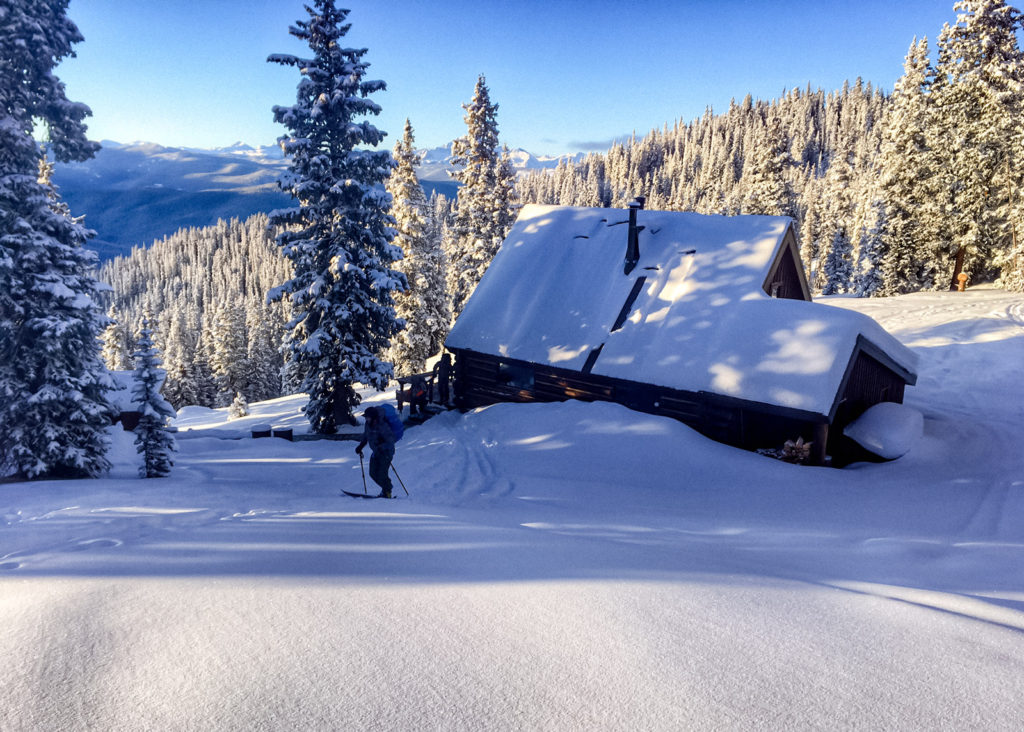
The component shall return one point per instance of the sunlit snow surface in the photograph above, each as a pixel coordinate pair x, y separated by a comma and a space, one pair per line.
573, 566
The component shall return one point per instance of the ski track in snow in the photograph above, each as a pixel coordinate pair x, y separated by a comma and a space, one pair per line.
555, 567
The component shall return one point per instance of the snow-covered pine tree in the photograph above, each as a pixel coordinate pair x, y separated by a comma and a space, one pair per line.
978, 98
117, 346
424, 305
339, 235
179, 358
153, 438
835, 274
907, 179
229, 360
867, 270
765, 189
480, 214
263, 380
53, 386
506, 205
239, 407
204, 382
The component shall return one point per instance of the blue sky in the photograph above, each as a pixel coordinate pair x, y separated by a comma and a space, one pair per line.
569, 75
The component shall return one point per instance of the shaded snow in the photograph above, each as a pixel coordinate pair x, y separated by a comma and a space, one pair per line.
561, 566
887, 429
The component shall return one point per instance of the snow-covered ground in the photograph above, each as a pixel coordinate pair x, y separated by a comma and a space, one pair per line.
568, 566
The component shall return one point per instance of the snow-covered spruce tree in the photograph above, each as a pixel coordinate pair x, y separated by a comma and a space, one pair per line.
506, 204
53, 386
153, 438
230, 359
264, 357
339, 235
179, 356
977, 99
907, 178
117, 346
239, 407
765, 188
424, 305
481, 212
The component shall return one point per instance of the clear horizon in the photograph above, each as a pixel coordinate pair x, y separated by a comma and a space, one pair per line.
568, 76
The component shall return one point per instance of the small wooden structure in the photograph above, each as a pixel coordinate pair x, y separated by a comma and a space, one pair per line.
711, 323
126, 411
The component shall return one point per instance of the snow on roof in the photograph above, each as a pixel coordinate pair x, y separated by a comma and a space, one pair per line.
700, 322
124, 383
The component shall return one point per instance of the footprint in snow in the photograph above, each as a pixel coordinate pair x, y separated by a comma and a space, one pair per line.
6, 566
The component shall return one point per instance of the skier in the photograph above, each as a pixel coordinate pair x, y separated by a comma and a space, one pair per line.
377, 432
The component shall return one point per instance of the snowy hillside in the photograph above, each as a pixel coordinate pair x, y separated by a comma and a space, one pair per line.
563, 566
134, 193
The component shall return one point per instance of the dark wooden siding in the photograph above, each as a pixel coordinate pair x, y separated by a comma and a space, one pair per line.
786, 283
869, 383
483, 379
786, 279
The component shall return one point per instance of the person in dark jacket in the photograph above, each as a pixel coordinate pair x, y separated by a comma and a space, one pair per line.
378, 435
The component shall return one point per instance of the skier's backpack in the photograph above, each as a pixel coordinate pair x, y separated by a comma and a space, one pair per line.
391, 415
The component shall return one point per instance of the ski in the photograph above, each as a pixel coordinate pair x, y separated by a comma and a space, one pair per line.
362, 495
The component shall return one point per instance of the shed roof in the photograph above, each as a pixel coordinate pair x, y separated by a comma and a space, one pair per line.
700, 320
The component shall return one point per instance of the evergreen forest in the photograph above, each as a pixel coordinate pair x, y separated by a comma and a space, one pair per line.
890, 192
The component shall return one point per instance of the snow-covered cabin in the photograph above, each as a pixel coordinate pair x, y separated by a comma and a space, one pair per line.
126, 409
707, 319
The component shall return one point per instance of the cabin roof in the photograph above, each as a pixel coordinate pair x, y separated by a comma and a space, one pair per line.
699, 320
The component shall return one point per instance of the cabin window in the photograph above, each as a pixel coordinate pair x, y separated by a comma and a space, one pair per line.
515, 375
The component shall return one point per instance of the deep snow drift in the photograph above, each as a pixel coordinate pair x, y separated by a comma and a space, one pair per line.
555, 566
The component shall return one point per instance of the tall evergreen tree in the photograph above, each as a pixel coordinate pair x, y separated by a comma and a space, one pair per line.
765, 189
907, 175
53, 404
424, 305
153, 438
230, 358
978, 98
482, 210
180, 387
339, 235
117, 346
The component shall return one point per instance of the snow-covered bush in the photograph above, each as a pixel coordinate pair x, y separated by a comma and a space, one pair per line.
239, 407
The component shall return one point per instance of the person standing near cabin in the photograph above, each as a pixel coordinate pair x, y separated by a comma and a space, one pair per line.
442, 374
378, 435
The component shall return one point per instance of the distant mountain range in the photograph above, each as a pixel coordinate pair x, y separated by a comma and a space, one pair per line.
133, 194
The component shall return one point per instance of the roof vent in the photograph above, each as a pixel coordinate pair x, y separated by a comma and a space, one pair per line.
633, 242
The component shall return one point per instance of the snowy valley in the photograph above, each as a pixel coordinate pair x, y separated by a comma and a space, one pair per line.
554, 566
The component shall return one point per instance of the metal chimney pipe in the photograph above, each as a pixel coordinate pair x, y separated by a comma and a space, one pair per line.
633, 241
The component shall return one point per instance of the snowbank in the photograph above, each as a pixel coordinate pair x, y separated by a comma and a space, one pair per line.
888, 430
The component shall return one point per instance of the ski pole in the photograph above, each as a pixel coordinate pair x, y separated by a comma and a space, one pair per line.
361, 470
400, 479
